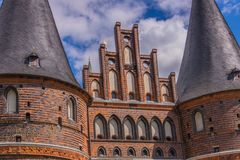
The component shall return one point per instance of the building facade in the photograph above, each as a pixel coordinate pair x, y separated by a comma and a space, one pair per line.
126, 111
132, 114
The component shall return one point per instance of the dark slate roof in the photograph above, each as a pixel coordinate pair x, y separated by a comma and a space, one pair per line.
28, 26
212, 55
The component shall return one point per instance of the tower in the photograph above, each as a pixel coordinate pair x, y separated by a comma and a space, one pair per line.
208, 85
43, 111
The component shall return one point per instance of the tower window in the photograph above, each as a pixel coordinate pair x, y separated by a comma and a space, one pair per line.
18, 138
111, 61
172, 153
28, 117
114, 95
95, 89
199, 124
12, 100
128, 56
145, 152
71, 109
116, 152
131, 152
33, 60
216, 149
159, 153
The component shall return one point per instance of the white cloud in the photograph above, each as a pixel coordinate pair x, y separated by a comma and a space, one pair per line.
175, 6
168, 37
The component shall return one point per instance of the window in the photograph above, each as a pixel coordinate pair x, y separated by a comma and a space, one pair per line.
128, 129
114, 95
172, 153
131, 96
159, 153
155, 130
145, 152
114, 126
131, 152
100, 127
146, 65
113, 84
130, 84
111, 61
126, 39
28, 117
101, 152
165, 93
148, 97
116, 152
12, 100
147, 86
72, 109
59, 122
142, 129
95, 89
198, 117
128, 56
169, 130
33, 60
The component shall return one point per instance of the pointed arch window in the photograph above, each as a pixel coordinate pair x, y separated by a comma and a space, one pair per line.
100, 127
72, 109
145, 152
95, 89
128, 129
114, 128
131, 152
159, 153
199, 124
101, 152
11, 100
147, 86
172, 153
165, 93
128, 57
131, 85
142, 130
169, 130
116, 152
113, 81
155, 128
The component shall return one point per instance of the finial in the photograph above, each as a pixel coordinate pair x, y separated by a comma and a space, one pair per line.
89, 64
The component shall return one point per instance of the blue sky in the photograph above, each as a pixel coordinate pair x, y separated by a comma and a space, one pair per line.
84, 24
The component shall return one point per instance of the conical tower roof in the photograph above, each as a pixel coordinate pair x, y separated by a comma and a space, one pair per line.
27, 28
211, 61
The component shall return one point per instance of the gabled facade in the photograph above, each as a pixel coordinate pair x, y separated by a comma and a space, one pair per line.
132, 112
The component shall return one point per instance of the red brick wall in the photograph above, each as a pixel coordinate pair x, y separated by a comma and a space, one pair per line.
222, 108
44, 109
148, 111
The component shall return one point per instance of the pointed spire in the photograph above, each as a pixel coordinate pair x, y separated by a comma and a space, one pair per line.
27, 26
89, 65
211, 54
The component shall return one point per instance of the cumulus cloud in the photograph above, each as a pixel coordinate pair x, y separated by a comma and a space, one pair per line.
168, 37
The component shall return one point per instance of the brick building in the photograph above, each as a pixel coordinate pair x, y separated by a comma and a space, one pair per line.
126, 111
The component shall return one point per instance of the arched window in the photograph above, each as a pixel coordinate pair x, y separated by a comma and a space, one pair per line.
169, 130
72, 109
116, 152
155, 128
172, 153
113, 84
130, 83
147, 86
100, 128
198, 117
142, 129
165, 93
159, 153
128, 56
12, 100
95, 89
131, 152
101, 152
145, 152
114, 126
128, 129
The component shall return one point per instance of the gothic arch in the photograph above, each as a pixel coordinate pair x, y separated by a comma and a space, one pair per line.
129, 130
143, 128
131, 85
95, 88
169, 129
156, 129
100, 127
128, 55
113, 84
114, 127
